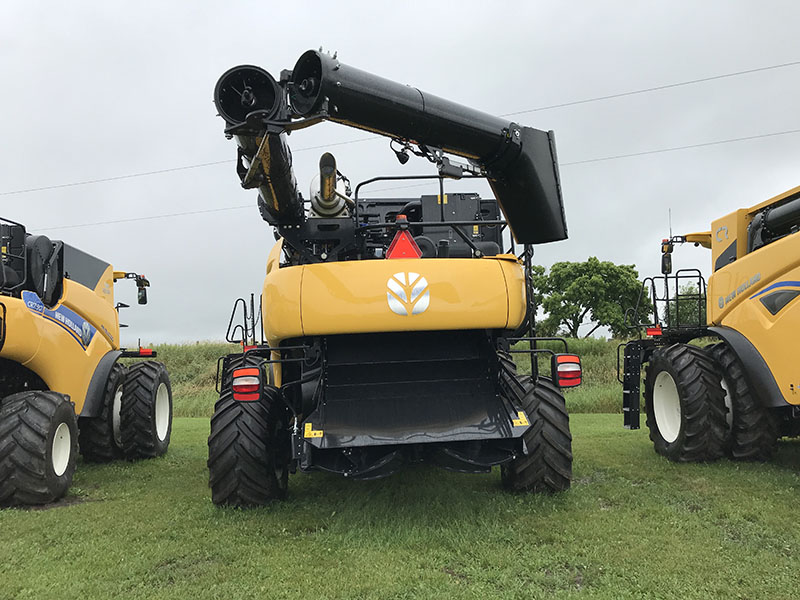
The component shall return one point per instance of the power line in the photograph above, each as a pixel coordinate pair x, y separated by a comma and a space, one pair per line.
171, 170
568, 164
374, 137
632, 154
180, 214
676, 148
653, 89
116, 178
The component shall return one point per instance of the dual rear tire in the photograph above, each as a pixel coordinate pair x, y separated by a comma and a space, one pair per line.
700, 407
753, 428
135, 419
145, 412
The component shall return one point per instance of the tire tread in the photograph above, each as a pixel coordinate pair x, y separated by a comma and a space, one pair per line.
26, 420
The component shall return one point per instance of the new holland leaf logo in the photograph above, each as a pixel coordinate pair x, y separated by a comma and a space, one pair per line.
408, 294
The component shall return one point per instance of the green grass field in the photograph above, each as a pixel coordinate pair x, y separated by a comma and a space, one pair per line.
632, 526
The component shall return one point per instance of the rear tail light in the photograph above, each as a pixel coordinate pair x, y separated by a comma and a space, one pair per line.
567, 370
653, 331
247, 384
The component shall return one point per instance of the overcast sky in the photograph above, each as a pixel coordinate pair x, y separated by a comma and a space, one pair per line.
95, 90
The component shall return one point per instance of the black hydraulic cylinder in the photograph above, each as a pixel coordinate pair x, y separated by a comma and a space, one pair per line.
279, 201
520, 161
782, 218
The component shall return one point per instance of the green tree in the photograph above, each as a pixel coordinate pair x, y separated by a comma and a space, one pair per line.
593, 292
687, 308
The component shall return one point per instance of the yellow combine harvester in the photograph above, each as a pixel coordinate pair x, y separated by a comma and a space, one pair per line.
388, 323
741, 394
61, 385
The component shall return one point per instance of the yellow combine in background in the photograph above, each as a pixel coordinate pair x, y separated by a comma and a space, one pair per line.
739, 395
61, 385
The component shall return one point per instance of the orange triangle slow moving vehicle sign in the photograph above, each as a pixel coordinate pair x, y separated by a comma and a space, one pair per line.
403, 246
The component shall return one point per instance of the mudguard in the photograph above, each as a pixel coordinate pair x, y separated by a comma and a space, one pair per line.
759, 377
94, 395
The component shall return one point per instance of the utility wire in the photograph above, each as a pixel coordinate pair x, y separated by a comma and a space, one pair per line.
675, 148
117, 178
654, 89
642, 153
171, 170
530, 110
180, 214
416, 185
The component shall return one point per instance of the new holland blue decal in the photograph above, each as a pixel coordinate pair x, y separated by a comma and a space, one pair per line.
80, 329
777, 285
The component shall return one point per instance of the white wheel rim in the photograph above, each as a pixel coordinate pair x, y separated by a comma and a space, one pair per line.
116, 411
62, 448
728, 404
667, 407
162, 412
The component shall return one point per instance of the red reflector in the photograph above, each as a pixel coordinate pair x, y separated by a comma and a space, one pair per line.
145, 352
567, 358
251, 371
653, 331
246, 397
246, 348
403, 246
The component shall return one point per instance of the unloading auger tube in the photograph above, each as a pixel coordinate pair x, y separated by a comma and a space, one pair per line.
519, 162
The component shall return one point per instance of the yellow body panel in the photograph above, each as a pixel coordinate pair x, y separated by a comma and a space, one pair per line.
359, 296
703, 238
96, 306
728, 230
731, 303
49, 340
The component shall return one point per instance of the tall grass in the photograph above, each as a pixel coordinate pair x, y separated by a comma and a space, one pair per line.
192, 369
600, 391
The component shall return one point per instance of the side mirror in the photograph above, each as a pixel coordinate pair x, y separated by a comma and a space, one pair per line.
142, 295
666, 264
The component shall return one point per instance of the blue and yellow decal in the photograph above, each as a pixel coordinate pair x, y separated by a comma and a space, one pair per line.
780, 284
777, 296
79, 328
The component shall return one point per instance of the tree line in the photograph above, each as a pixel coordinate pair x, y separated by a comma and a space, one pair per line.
578, 298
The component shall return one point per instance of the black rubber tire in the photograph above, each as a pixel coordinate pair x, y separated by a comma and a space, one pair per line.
547, 467
702, 429
29, 422
508, 368
139, 416
98, 441
249, 449
754, 435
